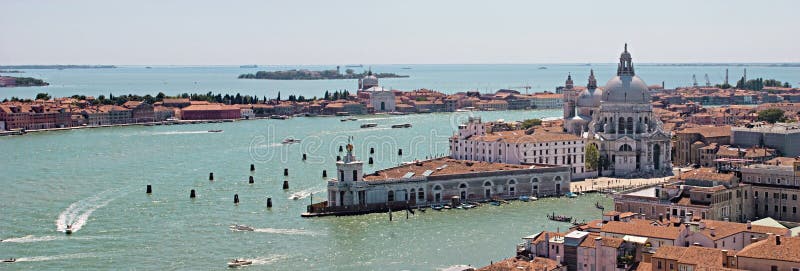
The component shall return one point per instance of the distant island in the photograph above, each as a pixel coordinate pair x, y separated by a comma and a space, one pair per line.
10, 71
315, 75
9, 81
60, 67
723, 64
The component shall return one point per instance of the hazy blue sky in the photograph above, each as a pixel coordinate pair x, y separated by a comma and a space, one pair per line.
378, 32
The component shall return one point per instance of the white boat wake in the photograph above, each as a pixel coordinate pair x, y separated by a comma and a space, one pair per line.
33, 239
268, 259
181, 132
304, 193
287, 231
77, 214
56, 257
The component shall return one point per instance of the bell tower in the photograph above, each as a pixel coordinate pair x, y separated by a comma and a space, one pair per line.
592, 81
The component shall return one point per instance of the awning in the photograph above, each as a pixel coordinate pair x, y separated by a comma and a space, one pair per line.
635, 239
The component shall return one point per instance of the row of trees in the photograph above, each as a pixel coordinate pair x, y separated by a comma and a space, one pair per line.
759, 84
209, 97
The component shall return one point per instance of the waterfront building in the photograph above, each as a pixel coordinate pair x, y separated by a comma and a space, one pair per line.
625, 130
381, 99
770, 254
540, 101
140, 111
33, 116
435, 181
779, 136
210, 112
775, 190
494, 142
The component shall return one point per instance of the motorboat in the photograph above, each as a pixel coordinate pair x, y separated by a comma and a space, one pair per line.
290, 140
215, 131
495, 203
239, 262
369, 125
467, 206
397, 113
571, 195
9, 260
404, 125
437, 207
524, 198
534, 198
238, 227
447, 207
68, 230
279, 117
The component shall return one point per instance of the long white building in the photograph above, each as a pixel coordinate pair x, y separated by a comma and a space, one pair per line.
475, 141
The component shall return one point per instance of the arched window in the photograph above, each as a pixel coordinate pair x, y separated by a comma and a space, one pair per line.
625, 147
487, 183
535, 180
421, 194
462, 185
629, 125
437, 187
557, 179
621, 125
512, 181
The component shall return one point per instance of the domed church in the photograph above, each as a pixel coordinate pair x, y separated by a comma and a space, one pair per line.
621, 124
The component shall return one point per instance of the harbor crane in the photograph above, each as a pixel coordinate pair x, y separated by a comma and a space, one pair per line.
694, 80
708, 82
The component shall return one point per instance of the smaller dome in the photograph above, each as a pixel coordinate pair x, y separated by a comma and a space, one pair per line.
590, 97
369, 81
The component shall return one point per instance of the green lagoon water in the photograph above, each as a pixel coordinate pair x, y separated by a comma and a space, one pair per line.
96, 179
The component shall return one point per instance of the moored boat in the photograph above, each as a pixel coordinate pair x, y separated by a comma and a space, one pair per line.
524, 198
215, 131
239, 262
279, 117
437, 207
369, 125
9, 260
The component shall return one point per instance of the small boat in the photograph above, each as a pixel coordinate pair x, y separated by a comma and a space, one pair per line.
524, 198
467, 206
239, 262
148, 67
447, 207
290, 141
68, 230
9, 260
437, 207
598, 206
397, 113
542, 68
237, 227
369, 125
495, 203
571, 195
248, 66
534, 198
215, 131
404, 125
559, 218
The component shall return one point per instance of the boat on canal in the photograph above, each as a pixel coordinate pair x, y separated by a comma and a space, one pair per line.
239, 262
404, 125
560, 218
290, 140
369, 125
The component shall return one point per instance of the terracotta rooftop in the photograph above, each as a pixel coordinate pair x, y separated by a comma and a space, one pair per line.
514, 264
590, 241
788, 250
693, 255
724, 229
707, 174
708, 131
641, 227
440, 167
519, 136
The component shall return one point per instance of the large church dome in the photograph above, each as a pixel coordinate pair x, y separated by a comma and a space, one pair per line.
626, 87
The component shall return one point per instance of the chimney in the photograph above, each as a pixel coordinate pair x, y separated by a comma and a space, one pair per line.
749, 225
777, 240
724, 258
713, 231
702, 225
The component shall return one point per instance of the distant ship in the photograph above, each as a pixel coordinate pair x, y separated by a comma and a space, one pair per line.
248, 66
542, 68
148, 67
354, 66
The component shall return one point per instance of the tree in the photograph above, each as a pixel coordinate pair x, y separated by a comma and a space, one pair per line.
349, 71
771, 115
43, 96
592, 157
279, 96
530, 123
